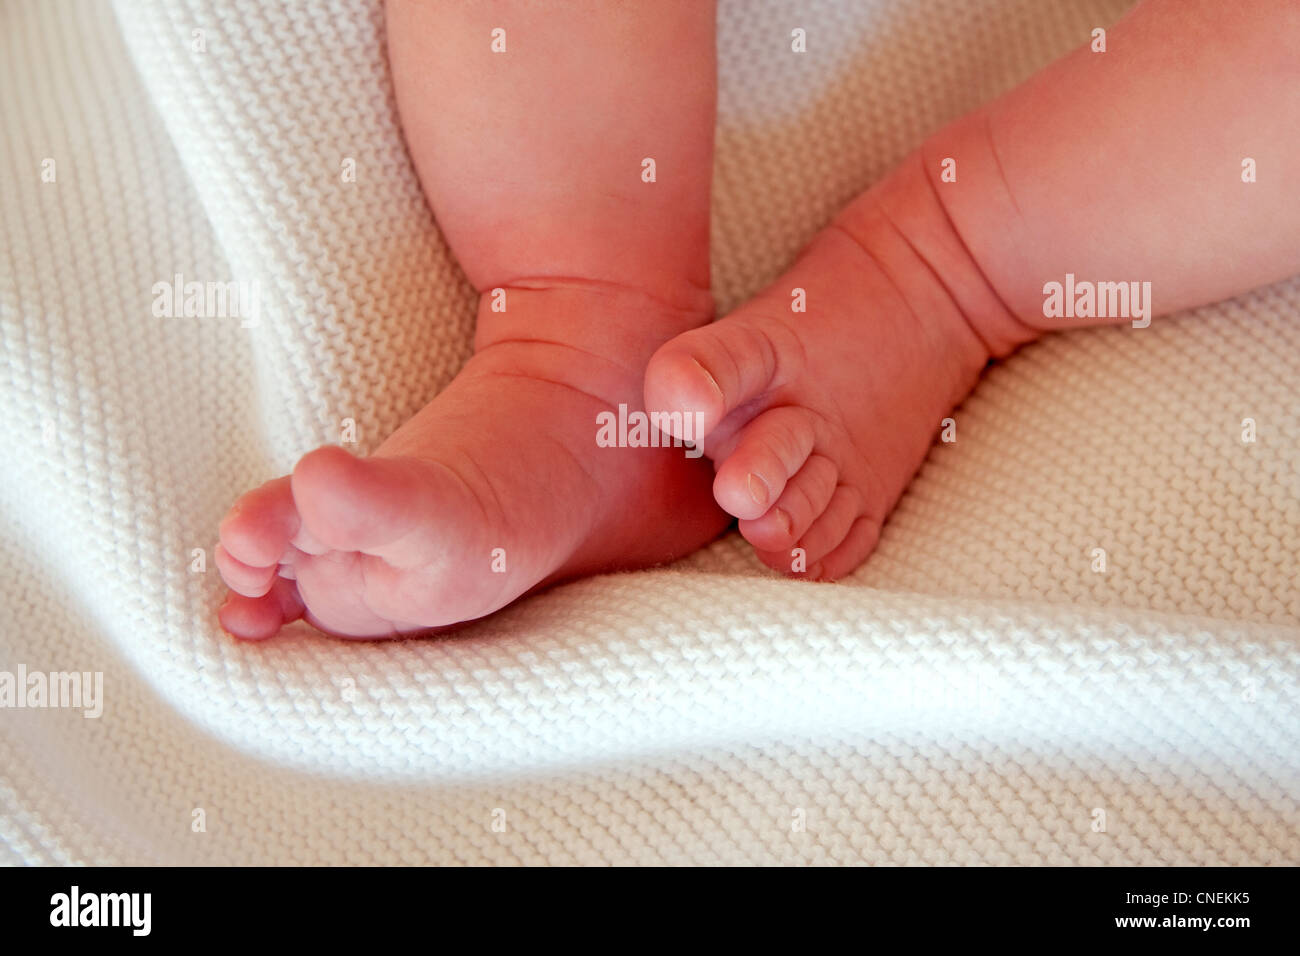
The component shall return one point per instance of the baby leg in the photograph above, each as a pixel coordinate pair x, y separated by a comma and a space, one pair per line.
1164, 167
566, 154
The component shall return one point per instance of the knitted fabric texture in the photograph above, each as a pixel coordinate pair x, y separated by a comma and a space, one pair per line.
977, 693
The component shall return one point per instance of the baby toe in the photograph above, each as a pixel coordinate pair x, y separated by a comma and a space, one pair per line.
260, 525
804, 499
768, 451
257, 618
242, 578
830, 528
852, 551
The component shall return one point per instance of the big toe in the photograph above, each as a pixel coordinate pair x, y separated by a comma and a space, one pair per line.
363, 504
711, 371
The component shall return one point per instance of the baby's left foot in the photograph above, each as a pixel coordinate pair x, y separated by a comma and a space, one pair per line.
818, 419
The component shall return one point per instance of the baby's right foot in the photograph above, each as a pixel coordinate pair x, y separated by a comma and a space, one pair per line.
498, 486
818, 419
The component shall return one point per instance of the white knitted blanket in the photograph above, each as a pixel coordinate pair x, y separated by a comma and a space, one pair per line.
977, 693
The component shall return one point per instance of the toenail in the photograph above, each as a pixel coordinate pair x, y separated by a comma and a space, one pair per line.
711, 379
758, 489
783, 516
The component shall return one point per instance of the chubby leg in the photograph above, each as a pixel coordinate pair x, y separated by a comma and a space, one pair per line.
1125, 166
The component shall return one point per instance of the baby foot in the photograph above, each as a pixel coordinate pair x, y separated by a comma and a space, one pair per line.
817, 420
496, 487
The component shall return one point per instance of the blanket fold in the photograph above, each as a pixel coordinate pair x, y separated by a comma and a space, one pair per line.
982, 691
